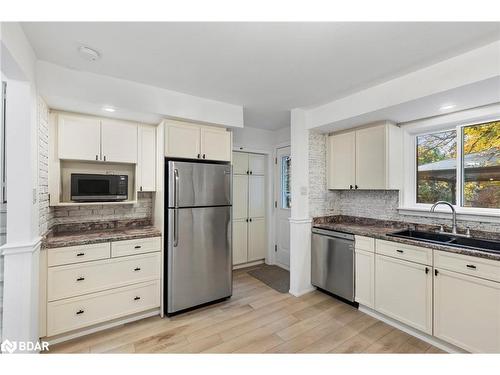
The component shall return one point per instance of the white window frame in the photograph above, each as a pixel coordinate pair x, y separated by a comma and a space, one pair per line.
455, 121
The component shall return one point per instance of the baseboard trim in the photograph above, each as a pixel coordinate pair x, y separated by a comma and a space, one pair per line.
302, 292
87, 331
449, 348
249, 264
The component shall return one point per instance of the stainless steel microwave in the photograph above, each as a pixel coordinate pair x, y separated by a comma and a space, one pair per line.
98, 187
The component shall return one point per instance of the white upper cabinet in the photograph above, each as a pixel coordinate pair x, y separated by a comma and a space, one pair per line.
146, 158
215, 144
256, 196
190, 141
367, 158
119, 141
79, 138
182, 140
341, 161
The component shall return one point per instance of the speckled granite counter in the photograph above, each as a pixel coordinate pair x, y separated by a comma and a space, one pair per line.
91, 233
380, 228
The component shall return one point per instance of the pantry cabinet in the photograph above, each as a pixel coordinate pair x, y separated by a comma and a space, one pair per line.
403, 291
366, 158
146, 161
249, 208
191, 141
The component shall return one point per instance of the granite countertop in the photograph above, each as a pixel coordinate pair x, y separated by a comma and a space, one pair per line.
380, 228
91, 234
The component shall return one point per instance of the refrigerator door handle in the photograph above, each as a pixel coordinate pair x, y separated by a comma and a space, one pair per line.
176, 209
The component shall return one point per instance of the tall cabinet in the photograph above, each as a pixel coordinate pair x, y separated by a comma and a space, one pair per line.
249, 207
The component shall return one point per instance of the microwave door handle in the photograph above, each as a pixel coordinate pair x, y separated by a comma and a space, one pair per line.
176, 209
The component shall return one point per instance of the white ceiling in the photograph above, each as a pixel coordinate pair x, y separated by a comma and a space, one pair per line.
268, 68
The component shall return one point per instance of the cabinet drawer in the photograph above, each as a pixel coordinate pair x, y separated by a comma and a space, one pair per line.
364, 243
77, 279
133, 247
468, 265
76, 254
79, 312
410, 253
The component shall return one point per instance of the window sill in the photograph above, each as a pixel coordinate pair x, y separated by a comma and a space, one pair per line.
487, 215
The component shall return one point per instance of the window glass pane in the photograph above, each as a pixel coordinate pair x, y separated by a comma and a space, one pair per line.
437, 167
286, 194
481, 163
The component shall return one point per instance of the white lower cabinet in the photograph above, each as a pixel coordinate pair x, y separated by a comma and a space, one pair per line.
467, 311
403, 291
365, 278
256, 239
91, 284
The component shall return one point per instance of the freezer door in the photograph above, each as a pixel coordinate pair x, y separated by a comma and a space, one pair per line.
198, 184
199, 266
332, 265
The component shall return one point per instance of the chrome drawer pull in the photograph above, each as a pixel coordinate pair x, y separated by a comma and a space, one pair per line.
137, 268
137, 298
80, 254
137, 247
400, 251
80, 279
471, 266
80, 312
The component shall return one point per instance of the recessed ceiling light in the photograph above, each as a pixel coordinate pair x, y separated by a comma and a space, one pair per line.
447, 106
108, 109
88, 53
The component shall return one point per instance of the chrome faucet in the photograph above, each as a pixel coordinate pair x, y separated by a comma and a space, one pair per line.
454, 213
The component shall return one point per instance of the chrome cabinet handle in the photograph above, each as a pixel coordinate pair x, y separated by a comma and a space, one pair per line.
176, 209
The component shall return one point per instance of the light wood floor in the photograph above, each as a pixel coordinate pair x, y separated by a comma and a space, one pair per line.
257, 319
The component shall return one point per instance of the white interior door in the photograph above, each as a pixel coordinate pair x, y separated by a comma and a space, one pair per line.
283, 205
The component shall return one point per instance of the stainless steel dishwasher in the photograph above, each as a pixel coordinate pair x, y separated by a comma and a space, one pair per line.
332, 262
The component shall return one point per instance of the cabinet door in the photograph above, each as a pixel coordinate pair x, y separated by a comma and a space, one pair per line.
371, 158
240, 249
240, 196
119, 141
215, 144
365, 278
403, 291
240, 163
257, 239
182, 141
256, 196
146, 164
467, 311
257, 164
79, 138
341, 161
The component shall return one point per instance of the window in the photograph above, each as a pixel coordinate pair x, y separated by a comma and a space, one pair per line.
460, 166
286, 193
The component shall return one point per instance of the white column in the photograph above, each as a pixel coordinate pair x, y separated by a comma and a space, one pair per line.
300, 221
21, 251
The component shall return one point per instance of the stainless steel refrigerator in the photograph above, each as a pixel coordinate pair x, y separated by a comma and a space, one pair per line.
198, 253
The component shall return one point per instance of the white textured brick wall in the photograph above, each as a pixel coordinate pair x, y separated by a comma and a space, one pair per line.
45, 213
143, 209
377, 204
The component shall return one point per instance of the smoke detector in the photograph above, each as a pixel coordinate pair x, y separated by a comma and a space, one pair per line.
88, 53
